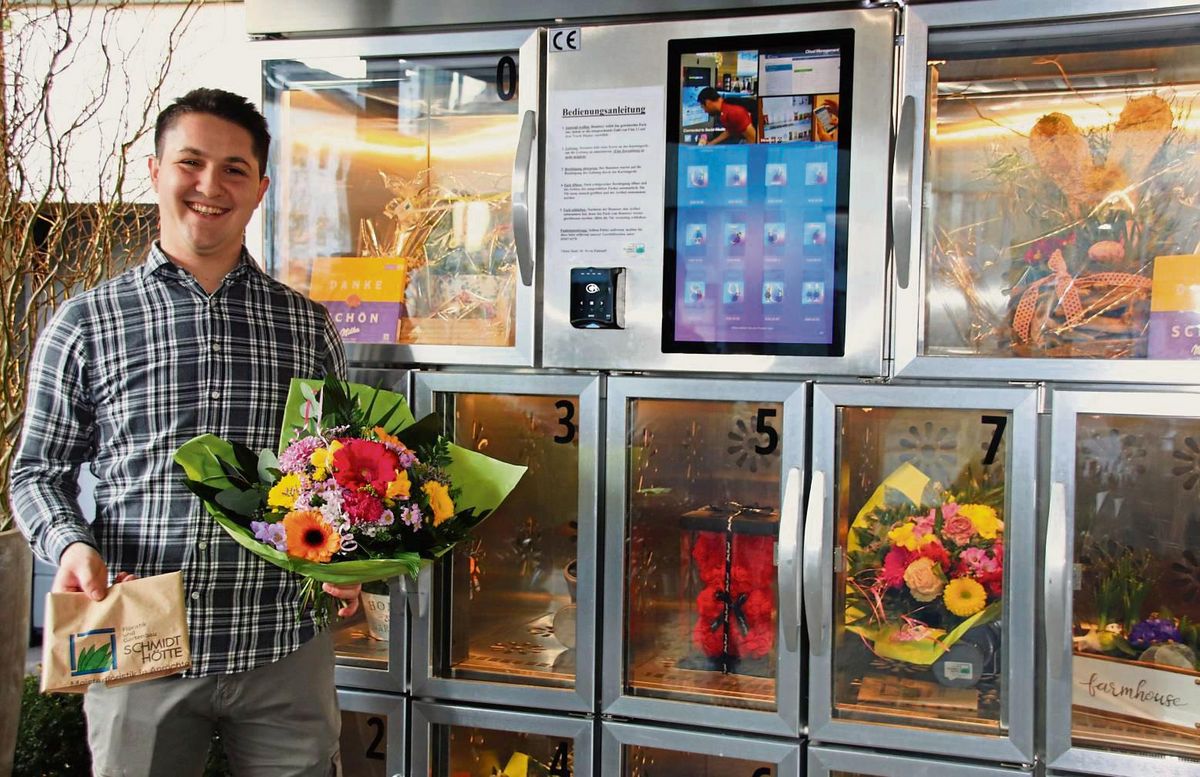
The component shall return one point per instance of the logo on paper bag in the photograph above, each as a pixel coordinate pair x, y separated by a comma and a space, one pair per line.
93, 652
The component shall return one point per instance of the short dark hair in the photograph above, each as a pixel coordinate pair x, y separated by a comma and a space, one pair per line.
224, 105
708, 94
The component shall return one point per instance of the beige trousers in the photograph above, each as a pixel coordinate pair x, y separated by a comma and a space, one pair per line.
279, 720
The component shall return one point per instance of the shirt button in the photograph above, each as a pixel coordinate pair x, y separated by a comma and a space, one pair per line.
195, 595
216, 395
216, 346
202, 545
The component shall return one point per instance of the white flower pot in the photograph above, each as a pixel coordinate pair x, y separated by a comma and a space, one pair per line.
377, 608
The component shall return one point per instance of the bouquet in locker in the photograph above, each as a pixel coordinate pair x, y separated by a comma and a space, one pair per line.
925, 564
357, 492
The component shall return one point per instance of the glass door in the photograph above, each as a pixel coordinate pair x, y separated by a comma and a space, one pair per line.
508, 617
1052, 157
703, 491
1123, 584
452, 741
371, 646
400, 188
644, 751
844, 762
918, 566
373, 731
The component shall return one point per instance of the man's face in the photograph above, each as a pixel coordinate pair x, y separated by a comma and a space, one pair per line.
208, 185
711, 107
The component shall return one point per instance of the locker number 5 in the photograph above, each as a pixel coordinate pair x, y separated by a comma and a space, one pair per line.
565, 39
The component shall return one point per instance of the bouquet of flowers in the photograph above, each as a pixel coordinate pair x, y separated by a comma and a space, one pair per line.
925, 566
358, 491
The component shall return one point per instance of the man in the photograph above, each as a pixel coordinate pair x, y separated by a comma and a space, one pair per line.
197, 339
733, 118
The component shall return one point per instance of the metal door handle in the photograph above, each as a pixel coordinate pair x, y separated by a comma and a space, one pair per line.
522, 230
787, 552
420, 591
815, 588
1057, 582
902, 200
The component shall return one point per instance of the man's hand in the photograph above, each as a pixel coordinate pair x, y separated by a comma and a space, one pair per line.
348, 594
81, 570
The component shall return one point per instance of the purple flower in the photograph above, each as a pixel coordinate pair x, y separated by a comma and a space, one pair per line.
411, 516
1154, 631
295, 458
271, 533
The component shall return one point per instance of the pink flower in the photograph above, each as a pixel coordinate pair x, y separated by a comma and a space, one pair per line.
958, 528
924, 525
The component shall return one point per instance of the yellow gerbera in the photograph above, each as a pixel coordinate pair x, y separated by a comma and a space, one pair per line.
439, 501
964, 597
310, 537
986, 521
285, 492
904, 537
399, 488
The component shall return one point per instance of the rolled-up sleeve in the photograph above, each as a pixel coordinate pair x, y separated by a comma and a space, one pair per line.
55, 441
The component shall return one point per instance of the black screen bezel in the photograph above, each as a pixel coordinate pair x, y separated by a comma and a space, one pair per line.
843, 40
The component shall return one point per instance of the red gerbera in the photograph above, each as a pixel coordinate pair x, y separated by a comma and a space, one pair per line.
894, 564
362, 463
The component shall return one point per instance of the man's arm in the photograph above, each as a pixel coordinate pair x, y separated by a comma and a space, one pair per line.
55, 442
750, 134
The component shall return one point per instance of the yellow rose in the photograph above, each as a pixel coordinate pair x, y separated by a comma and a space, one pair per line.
924, 579
987, 523
439, 501
284, 493
398, 488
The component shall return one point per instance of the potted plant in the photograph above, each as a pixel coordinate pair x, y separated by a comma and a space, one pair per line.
65, 223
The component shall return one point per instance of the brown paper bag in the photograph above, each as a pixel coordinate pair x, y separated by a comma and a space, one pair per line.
138, 632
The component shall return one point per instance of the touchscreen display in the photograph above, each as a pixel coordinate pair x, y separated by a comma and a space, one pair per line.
758, 167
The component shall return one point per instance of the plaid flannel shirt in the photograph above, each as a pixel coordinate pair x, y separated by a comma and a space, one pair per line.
121, 377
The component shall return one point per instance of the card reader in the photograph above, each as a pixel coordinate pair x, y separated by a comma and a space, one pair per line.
598, 297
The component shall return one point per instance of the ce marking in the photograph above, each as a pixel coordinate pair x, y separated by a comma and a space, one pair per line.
565, 39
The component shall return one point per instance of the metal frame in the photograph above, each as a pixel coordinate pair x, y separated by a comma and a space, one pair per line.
581, 698
614, 737
395, 677
1020, 595
634, 55
526, 44
394, 709
824, 761
909, 324
785, 721
426, 715
1061, 754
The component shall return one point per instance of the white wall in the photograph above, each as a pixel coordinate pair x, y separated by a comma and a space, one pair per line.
214, 51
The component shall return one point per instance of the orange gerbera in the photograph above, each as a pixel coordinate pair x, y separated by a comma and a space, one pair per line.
310, 537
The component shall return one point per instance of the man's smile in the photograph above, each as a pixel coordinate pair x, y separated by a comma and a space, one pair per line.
206, 210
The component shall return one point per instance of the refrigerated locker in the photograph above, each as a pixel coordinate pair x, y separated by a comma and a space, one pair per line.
1043, 193
919, 555
640, 751
701, 582
374, 732
450, 740
509, 616
1123, 528
404, 181
844, 762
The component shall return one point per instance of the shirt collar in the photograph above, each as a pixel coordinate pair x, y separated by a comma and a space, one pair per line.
159, 263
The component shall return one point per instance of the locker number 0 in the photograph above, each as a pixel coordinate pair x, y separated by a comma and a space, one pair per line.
506, 78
